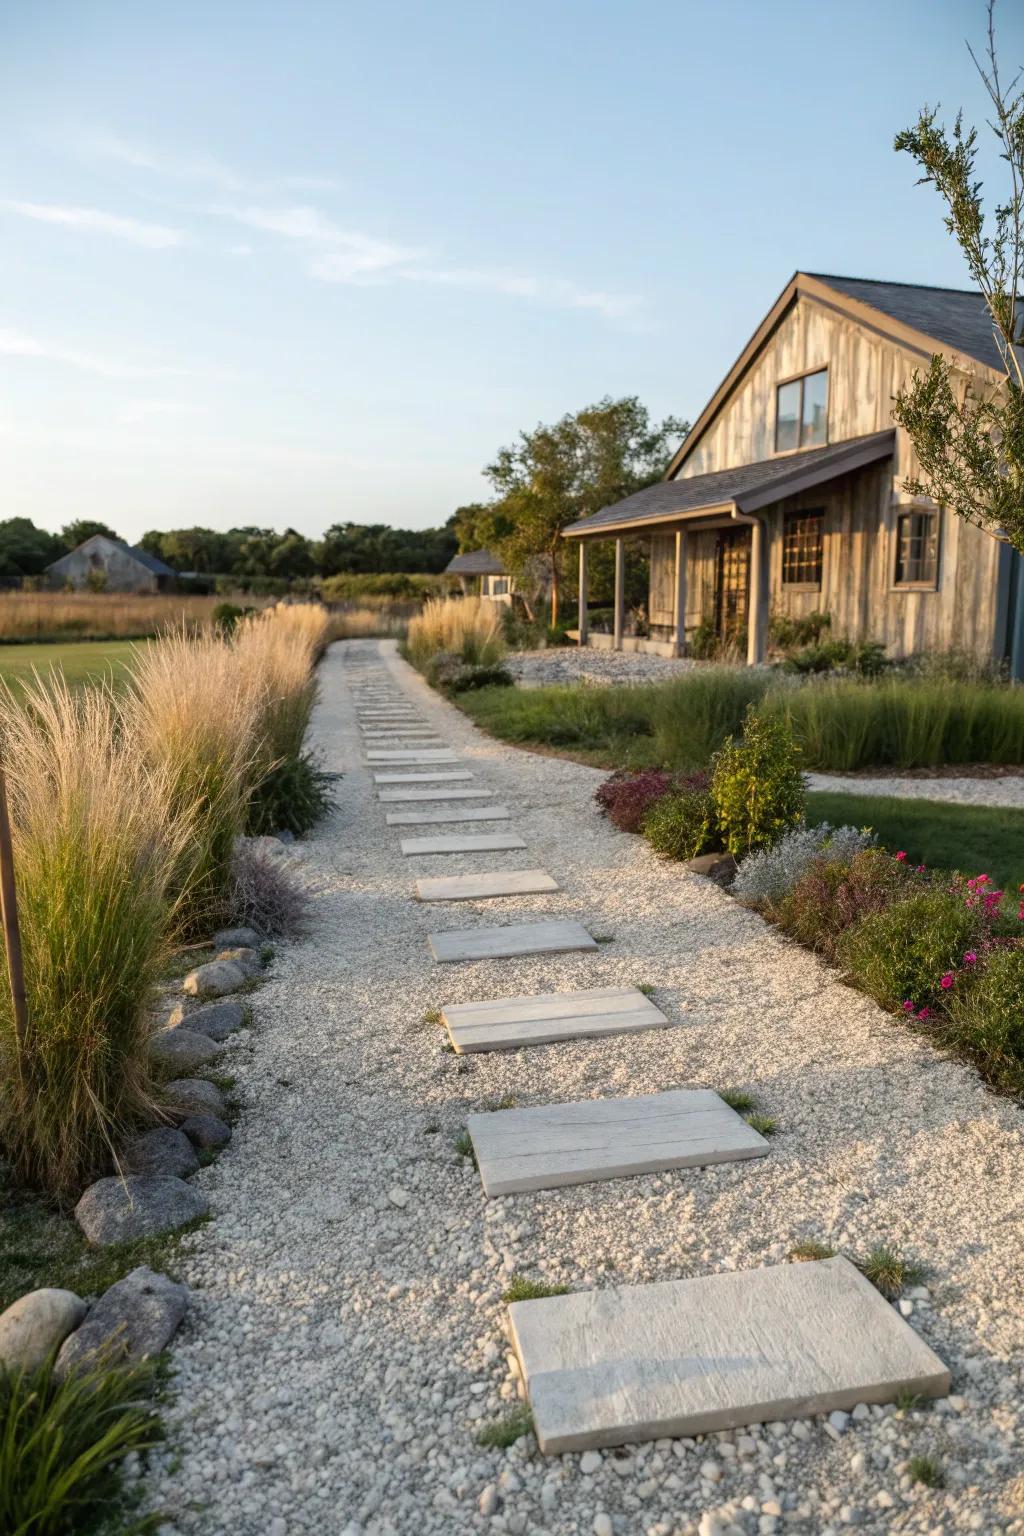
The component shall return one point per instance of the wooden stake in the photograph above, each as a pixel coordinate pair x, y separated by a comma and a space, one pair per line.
9, 918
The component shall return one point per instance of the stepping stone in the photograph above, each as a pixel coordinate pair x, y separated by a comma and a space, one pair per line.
516, 939
464, 842
553, 1144
688, 1357
456, 813
423, 755
389, 796
442, 776
505, 1023
515, 882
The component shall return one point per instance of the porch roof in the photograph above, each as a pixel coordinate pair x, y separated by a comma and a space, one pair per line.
746, 488
477, 562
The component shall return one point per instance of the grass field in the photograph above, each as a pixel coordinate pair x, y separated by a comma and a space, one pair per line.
972, 838
81, 661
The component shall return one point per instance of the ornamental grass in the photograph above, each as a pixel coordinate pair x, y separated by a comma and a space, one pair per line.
467, 627
96, 855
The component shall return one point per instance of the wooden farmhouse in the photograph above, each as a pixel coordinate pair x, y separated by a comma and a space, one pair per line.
787, 495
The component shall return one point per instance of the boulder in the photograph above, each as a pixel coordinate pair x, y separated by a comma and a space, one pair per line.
214, 979
181, 1050
215, 1020
716, 866
34, 1325
194, 1096
135, 1318
247, 960
206, 1131
115, 1210
162, 1150
237, 938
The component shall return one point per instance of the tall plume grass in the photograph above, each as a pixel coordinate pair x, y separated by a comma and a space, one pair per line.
468, 627
102, 615
96, 852
194, 715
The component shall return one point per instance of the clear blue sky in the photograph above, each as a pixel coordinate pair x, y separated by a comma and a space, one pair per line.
298, 263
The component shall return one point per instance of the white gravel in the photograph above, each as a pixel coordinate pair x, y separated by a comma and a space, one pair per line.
1008, 791
346, 1341
575, 664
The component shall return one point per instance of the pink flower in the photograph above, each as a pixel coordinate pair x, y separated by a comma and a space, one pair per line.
901, 856
908, 1006
970, 958
923, 1013
920, 869
947, 981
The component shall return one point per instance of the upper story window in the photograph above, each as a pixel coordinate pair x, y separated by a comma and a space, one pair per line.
801, 412
917, 549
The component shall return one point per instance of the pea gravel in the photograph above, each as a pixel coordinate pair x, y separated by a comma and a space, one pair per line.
345, 1345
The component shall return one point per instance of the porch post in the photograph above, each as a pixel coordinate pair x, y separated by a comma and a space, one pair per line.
680, 600
620, 593
758, 600
584, 618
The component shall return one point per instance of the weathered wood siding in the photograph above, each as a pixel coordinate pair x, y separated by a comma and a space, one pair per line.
662, 602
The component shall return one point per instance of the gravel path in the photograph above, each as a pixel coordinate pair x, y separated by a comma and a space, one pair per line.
1007, 791
575, 664
346, 1342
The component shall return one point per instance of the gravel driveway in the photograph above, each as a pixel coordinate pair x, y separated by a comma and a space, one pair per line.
345, 1344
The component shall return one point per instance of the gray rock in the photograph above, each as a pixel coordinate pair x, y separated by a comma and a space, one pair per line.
116, 1210
134, 1318
235, 938
715, 866
216, 1020
214, 979
247, 960
181, 1050
162, 1150
194, 1096
207, 1131
35, 1324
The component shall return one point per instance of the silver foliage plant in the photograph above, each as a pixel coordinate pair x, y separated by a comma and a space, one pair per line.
768, 874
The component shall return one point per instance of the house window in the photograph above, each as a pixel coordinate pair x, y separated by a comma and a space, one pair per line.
801, 412
802, 546
499, 586
917, 549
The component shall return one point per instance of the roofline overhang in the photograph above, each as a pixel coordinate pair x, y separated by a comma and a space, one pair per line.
803, 477
866, 315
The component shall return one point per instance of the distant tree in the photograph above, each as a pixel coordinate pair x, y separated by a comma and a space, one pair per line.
26, 550
556, 474
82, 528
375, 548
970, 440
481, 525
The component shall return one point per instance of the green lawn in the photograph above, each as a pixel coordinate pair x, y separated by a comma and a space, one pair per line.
81, 661
974, 839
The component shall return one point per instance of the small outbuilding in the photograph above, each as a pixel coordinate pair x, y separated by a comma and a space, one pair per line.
111, 566
493, 580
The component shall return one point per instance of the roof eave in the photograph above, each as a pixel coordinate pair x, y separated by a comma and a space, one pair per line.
806, 477
634, 525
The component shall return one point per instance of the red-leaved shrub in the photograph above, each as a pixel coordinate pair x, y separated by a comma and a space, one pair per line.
625, 798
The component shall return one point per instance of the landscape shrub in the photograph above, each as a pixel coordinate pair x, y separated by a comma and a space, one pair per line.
96, 853
767, 874
469, 627
226, 616
192, 713
263, 894
625, 798
683, 825
835, 893
900, 954
788, 632
985, 1012
756, 784
470, 678
63, 1442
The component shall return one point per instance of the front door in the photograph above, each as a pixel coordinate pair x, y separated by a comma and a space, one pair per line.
732, 584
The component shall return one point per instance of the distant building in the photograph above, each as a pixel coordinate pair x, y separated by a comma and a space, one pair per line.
493, 580
108, 563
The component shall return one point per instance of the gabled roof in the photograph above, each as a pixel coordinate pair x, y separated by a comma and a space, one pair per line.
951, 321
476, 562
745, 488
142, 556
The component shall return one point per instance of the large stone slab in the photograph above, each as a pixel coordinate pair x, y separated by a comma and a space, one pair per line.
462, 842
513, 882
440, 776
552, 1144
438, 818
419, 755
133, 1320
687, 1357
515, 939
505, 1023
393, 796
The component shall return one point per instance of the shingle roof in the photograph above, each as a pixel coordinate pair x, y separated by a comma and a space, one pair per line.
476, 562
956, 317
749, 486
151, 562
